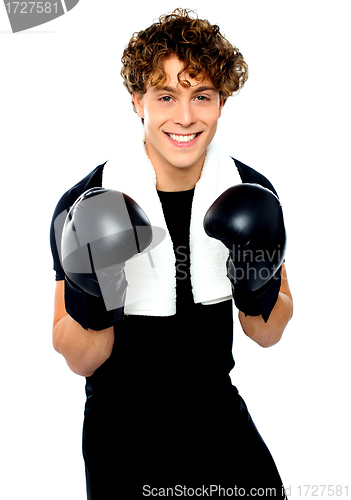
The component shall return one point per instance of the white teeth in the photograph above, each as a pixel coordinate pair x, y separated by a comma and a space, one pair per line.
182, 138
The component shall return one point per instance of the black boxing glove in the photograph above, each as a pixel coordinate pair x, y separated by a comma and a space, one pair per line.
248, 220
103, 229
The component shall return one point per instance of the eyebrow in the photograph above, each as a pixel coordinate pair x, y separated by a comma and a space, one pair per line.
173, 90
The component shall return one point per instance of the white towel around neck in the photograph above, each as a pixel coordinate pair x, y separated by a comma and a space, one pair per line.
152, 281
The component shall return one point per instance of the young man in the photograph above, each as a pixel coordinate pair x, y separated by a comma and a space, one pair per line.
161, 411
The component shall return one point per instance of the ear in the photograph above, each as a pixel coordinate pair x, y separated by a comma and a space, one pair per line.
221, 104
138, 103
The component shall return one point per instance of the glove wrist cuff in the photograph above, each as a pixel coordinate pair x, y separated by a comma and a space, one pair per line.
258, 303
89, 311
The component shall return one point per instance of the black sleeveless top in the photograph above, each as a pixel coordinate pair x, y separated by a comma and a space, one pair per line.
163, 406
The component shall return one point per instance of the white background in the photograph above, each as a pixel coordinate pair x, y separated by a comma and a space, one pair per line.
64, 110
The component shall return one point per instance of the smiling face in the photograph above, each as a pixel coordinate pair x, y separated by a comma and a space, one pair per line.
179, 125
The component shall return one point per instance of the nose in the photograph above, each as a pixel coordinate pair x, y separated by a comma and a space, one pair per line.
184, 114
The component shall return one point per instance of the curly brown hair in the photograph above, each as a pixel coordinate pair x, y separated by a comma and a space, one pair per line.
206, 53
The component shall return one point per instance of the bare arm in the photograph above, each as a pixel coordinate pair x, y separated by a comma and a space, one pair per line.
268, 334
83, 350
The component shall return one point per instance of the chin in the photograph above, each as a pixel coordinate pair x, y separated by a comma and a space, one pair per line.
186, 160
184, 164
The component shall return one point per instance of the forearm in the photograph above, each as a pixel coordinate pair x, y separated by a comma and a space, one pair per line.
83, 350
268, 334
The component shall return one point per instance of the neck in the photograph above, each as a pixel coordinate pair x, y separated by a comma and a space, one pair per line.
169, 184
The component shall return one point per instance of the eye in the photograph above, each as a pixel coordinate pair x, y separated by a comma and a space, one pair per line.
202, 98
166, 98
